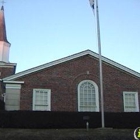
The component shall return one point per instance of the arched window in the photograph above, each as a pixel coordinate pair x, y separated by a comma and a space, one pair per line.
88, 98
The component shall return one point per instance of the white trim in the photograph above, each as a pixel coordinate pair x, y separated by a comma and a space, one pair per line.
9, 66
65, 59
13, 86
14, 82
136, 99
49, 98
3, 64
96, 92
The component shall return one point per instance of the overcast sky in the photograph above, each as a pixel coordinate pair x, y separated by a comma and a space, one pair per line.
46, 30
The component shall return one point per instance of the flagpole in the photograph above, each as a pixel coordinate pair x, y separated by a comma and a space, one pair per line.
94, 5
100, 64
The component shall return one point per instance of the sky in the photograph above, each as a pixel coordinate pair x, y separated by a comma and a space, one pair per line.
46, 30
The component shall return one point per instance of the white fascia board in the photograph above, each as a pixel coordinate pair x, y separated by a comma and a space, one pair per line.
59, 61
13, 86
71, 57
13, 82
115, 64
3, 64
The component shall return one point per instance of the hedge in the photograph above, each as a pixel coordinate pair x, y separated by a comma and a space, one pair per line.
59, 120
2, 105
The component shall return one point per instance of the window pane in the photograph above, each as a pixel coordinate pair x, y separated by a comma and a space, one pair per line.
87, 97
40, 107
41, 99
130, 102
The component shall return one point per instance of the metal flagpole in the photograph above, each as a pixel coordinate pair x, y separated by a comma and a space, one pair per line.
100, 64
94, 5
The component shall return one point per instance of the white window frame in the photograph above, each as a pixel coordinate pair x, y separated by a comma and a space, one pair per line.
96, 94
136, 100
14, 102
49, 99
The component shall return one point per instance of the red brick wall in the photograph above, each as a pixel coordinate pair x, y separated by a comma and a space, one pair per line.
4, 72
63, 80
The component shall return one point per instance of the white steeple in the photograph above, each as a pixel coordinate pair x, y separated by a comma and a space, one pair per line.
4, 44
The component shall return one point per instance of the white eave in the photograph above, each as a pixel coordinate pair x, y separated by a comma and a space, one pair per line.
71, 57
3, 64
13, 82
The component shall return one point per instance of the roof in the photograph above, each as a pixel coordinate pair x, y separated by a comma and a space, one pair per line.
71, 57
3, 36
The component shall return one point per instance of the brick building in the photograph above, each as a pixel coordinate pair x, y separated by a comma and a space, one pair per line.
69, 84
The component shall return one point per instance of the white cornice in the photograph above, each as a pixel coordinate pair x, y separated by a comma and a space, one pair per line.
13, 82
3, 64
13, 86
71, 57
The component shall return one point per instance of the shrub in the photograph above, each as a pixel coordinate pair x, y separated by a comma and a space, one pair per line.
57, 120
2, 105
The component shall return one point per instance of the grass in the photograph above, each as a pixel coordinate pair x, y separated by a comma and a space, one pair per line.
66, 134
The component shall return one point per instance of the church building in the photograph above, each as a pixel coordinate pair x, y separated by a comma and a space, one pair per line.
67, 84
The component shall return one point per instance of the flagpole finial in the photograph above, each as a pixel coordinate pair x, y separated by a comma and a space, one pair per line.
2, 2
91, 3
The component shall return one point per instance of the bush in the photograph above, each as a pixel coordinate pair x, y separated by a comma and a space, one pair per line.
2, 106
122, 120
57, 120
